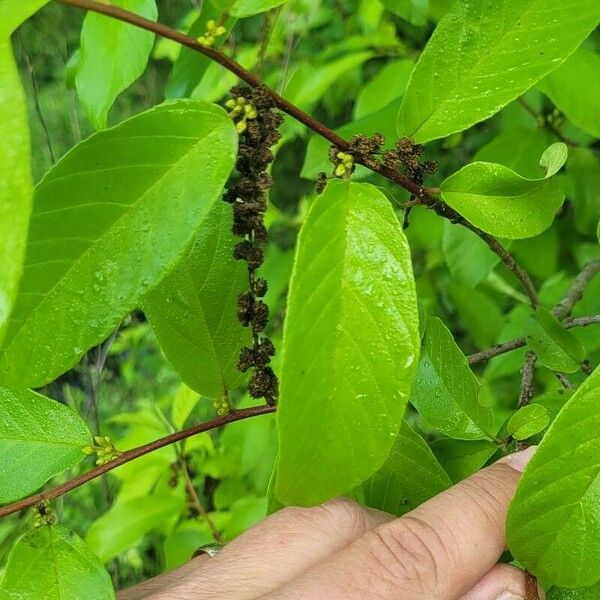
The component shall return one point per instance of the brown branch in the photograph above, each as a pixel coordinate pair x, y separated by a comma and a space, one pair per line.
130, 455
520, 342
551, 127
582, 321
575, 292
527, 384
193, 495
319, 128
496, 350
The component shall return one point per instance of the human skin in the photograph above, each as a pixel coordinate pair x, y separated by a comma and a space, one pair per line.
446, 549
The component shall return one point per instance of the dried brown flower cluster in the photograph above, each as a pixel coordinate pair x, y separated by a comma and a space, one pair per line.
248, 197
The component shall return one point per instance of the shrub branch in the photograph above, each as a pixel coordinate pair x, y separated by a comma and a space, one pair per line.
423, 195
130, 455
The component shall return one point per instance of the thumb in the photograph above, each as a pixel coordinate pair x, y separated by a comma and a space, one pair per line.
438, 551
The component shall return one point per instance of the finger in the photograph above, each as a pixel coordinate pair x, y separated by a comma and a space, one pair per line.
502, 582
436, 552
274, 552
151, 587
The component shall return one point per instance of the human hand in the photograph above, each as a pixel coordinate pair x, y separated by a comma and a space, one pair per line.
446, 549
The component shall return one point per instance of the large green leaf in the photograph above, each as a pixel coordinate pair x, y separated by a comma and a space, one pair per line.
126, 523
16, 187
193, 310
350, 345
575, 89
113, 55
410, 476
389, 84
553, 526
445, 390
483, 55
54, 564
556, 348
462, 458
13, 13
517, 148
503, 203
39, 438
469, 258
109, 221
588, 593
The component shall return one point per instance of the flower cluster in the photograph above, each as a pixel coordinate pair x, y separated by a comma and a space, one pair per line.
43, 514
104, 450
213, 31
241, 110
408, 158
248, 196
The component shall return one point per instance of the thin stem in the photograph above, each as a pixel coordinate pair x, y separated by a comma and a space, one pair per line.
547, 124
520, 342
319, 128
193, 495
582, 321
575, 292
130, 455
496, 350
527, 384
36, 98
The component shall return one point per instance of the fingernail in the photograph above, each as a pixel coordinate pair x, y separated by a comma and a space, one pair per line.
518, 460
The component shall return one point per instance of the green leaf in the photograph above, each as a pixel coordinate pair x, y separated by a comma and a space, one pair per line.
575, 89
528, 421
554, 158
462, 458
556, 348
54, 564
248, 8
445, 390
13, 13
517, 148
16, 187
193, 310
184, 402
310, 81
39, 438
468, 257
190, 66
414, 11
501, 202
583, 171
113, 55
478, 312
410, 476
109, 221
183, 541
350, 345
553, 526
126, 523
484, 54
389, 84
588, 593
